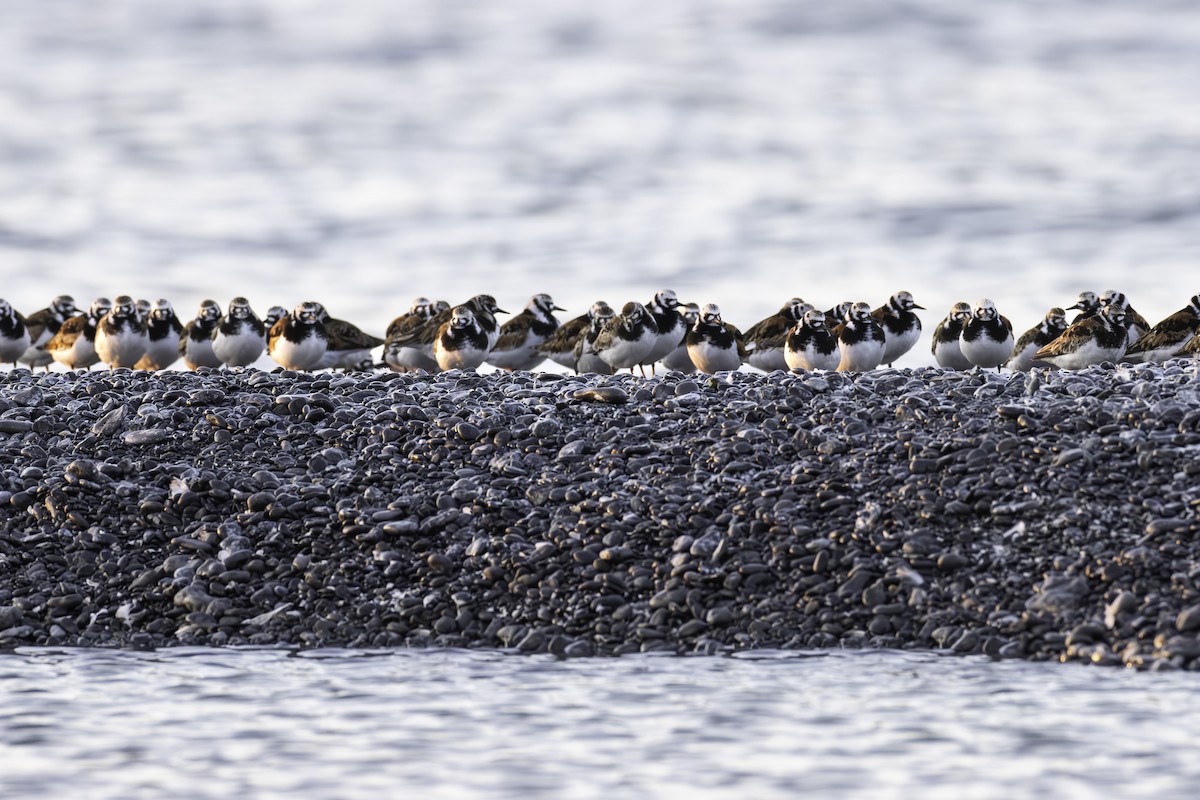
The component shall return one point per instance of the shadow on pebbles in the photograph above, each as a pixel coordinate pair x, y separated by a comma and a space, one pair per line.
1042, 517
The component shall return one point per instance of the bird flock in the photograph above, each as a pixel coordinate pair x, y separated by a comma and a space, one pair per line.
435, 336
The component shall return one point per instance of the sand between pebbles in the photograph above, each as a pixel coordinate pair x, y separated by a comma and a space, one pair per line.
1042, 517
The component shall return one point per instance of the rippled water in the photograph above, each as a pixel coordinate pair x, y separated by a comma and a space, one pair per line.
217, 723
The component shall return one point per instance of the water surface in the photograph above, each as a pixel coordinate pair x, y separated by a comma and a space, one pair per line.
194, 722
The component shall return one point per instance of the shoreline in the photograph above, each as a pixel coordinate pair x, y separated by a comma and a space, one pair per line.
1044, 516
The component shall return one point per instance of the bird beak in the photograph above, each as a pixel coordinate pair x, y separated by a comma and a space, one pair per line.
1076, 306
557, 308
501, 311
917, 306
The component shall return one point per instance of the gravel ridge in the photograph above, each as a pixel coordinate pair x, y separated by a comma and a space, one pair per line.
1040, 516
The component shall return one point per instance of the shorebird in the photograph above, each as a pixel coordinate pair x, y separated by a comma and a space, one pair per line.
163, 330
298, 341
195, 343
764, 340
1092, 340
74, 346
42, 325
901, 327
239, 338
811, 345
861, 340
987, 338
713, 344
520, 337
1037, 337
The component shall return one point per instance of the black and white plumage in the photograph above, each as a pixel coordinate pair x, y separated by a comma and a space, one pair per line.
239, 338
121, 336
273, 315
1037, 337
1168, 337
987, 338
837, 315
74, 346
421, 337
678, 359
411, 356
1093, 340
861, 340
298, 341
42, 325
349, 346
901, 327
627, 339
810, 345
670, 326
461, 342
14, 336
143, 307
947, 336
1088, 305
586, 359
195, 343
764, 340
517, 347
163, 330
713, 344
1135, 324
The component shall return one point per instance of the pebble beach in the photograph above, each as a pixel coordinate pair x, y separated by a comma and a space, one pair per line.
1041, 516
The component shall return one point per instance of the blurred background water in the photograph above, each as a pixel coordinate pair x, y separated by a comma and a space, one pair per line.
200, 723
365, 152
739, 151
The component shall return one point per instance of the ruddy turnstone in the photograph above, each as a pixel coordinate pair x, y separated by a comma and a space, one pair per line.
1088, 305
765, 339
900, 325
713, 344
1135, 324
1168, 337
406, 357
14, 336
678, 359
163, 330
946, 347
298, 341
143, 307
349, 346
811, 345
861, 340
273, 315
517, 347
239, 338
837, 315
670, 326
461, 342
1093, 340
586, 359
625, 340
422, 337
195, 343
74, 346
42, 325
987, 338
121, 336
559, 346
1037, 337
